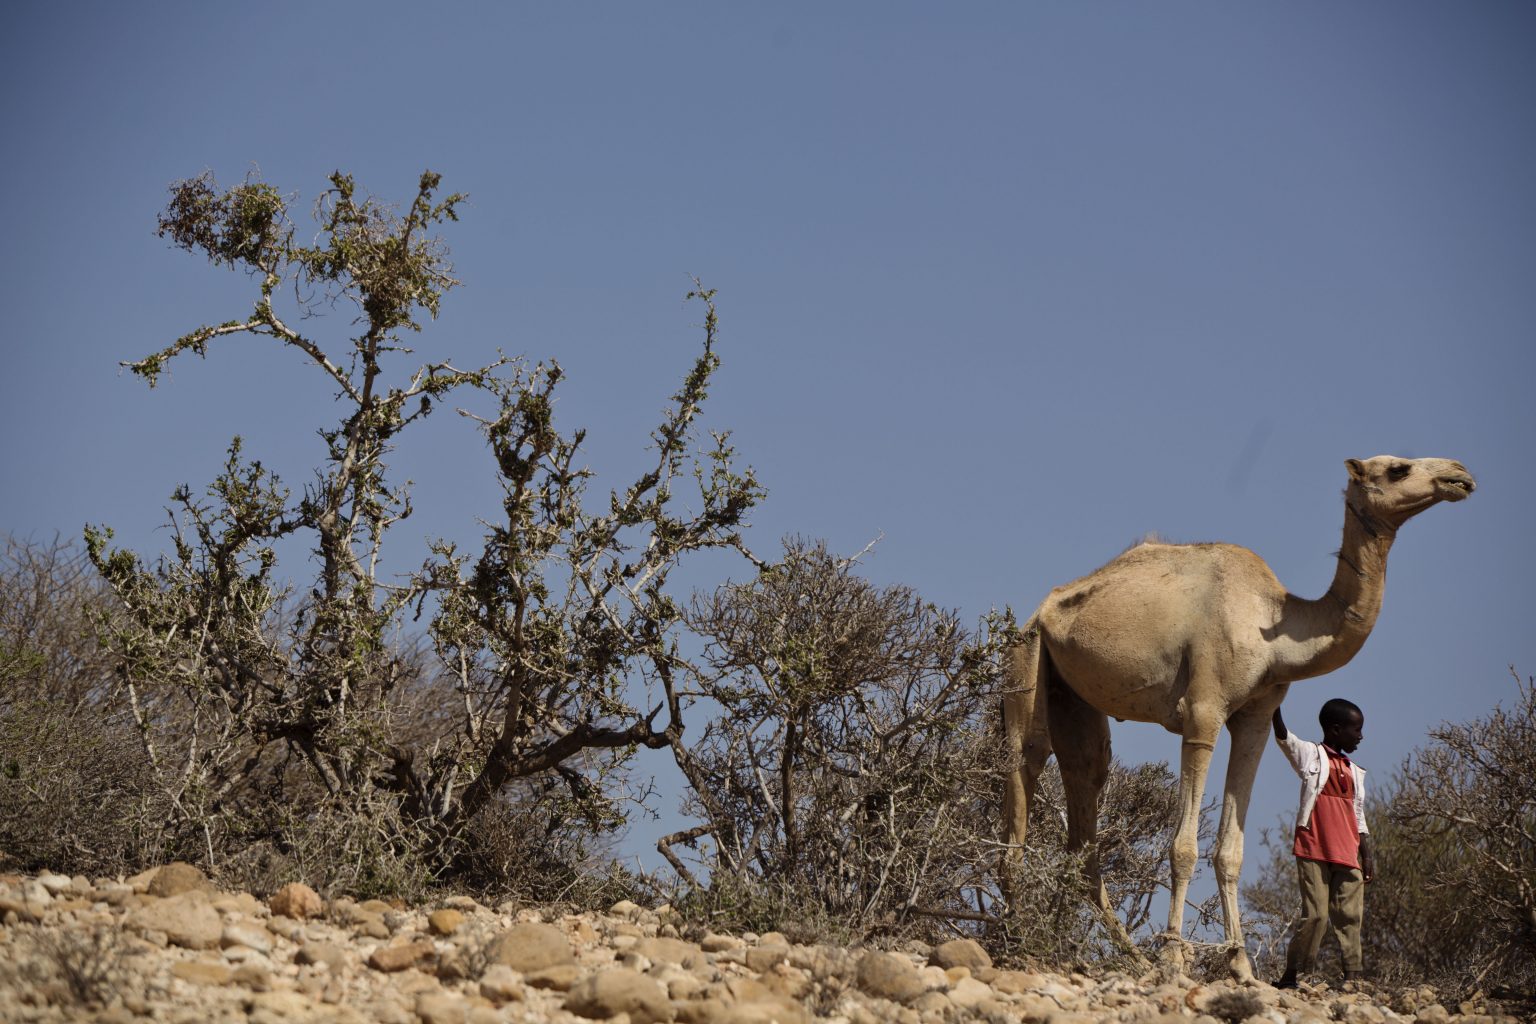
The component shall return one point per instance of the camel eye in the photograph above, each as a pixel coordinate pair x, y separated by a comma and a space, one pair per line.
1399, 471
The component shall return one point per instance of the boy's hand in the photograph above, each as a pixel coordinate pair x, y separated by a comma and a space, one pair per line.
1367, 862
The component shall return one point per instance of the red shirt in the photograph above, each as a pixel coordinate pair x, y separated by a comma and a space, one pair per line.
1332, 835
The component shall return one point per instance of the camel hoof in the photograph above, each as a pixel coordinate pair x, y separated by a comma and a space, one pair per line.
1172, 955
1239, 965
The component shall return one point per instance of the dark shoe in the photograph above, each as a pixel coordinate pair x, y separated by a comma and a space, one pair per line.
1289, 981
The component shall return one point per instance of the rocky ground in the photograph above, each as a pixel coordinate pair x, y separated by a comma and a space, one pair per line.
166, 946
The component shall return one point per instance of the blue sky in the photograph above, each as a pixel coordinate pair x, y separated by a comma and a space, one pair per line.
1009, 285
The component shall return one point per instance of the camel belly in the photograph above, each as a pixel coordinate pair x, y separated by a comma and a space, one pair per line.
1122, 684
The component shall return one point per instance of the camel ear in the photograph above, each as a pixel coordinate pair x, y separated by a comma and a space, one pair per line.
1356, 469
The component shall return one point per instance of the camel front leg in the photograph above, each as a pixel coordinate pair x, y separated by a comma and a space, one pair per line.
1200, 732
1249, 729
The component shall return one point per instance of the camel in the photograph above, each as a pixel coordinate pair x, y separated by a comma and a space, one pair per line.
1191, 636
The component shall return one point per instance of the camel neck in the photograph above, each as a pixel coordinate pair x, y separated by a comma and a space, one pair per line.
1327, 632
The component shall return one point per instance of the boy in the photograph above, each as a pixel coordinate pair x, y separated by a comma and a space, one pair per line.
1333, 856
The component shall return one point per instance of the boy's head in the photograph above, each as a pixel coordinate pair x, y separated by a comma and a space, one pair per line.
1343, 724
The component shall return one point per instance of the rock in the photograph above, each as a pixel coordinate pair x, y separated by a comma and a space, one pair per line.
968, 993
331, 954
671, 951
242, 903
530, 946
767, 957
27, 913
559, 978
280, 1006
242, 933
762, 1013
444, 922
625, 909
296, 900
702, 1011
56, 884
176, 878
373, 926
187, 920
1015, 982
712, 943
253, 976
397, 958
200, 972
499, 984
961, 953
888, 976
441, 1008
932, 1004
616, 991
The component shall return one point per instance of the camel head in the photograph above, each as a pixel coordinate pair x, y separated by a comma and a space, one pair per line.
1389, 490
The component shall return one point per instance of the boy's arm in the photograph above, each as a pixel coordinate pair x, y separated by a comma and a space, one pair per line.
1289, 744
1367, 862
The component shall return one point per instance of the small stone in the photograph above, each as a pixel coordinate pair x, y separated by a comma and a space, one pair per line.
1016, 982
763, 1013
397, 958
239, 903
968, 993
253, 976
931, 1004
296, 900
605, 995
713, 943
625, 909
961, 953
176, 878
56, 884
199, 972
701, 1011
560, 978
373, 926
766, 957
441, 1008
240, 933
670, 951
888, 976
444, 922
530, 946
331, 954
499, 984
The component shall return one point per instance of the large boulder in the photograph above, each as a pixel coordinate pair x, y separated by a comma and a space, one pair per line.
620, 990
187, 919
530, 946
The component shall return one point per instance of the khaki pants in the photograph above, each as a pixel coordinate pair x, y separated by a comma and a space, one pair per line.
1329, 893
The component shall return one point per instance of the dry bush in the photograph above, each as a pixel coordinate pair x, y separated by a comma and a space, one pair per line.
847, 772
74, 782
88, 965
1466, 806
850, 784
1054, 919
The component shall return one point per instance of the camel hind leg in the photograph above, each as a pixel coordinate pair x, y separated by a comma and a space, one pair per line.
1080, 737
1026, 731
